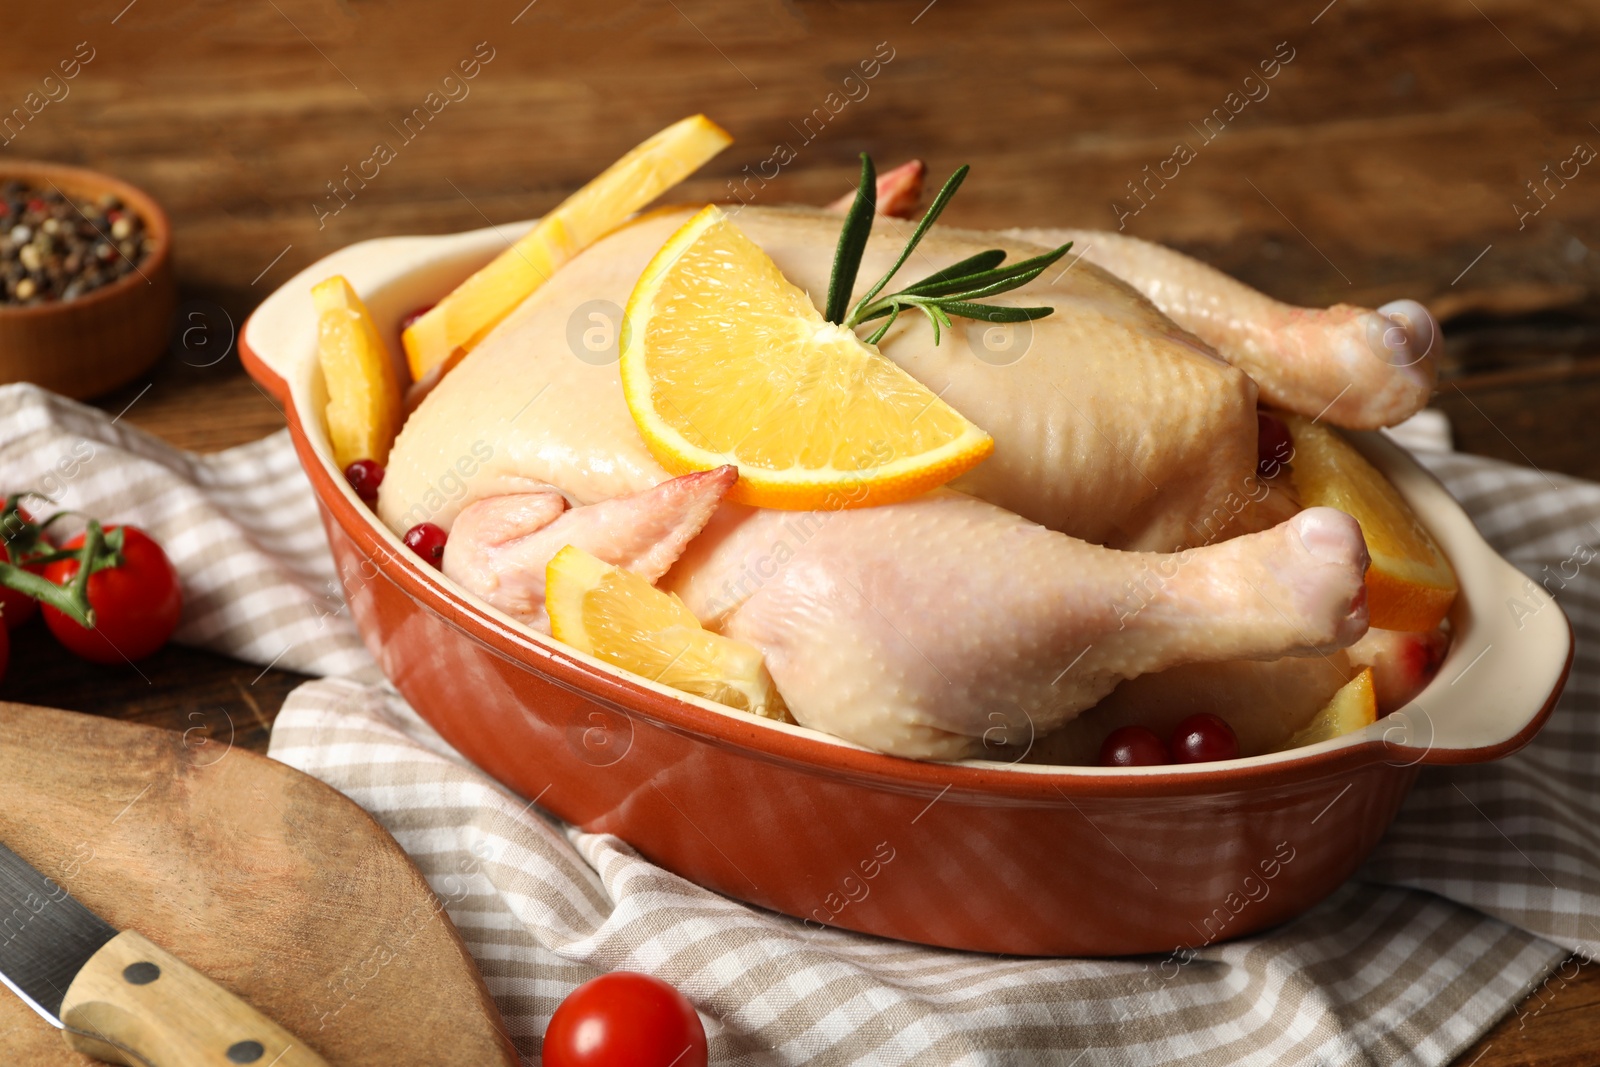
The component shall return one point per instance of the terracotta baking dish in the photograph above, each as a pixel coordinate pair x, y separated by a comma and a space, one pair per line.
993, 857
105, 338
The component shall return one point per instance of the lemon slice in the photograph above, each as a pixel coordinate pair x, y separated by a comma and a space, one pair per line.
615, 615
1410, 585
458, 322
724, 360
1354, 706
363, 412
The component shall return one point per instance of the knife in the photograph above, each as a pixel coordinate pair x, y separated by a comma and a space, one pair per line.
116, 996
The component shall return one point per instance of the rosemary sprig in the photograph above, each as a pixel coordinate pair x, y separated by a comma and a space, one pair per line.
954, 290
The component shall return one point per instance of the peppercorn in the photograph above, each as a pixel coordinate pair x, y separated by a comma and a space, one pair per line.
55, 248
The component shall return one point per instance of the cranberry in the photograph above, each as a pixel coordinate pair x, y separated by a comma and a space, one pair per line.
36, 206
405, 323
427, 541
1203, 738
1274, 447
364, 476
1132, 746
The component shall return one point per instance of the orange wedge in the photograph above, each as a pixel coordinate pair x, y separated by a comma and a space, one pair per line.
1410, 585
457, 323
615, 615
724, 360
1354, 706
363, 412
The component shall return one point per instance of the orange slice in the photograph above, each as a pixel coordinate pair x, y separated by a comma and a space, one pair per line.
615, 615
1354, 706
724, 360
1410, 585
363, 412
455, 325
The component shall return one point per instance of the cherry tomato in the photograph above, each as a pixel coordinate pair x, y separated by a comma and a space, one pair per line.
15, 608
1203, 738
427, 541
1132, 746
1274, 446
365, 476
624, 1019
136, 605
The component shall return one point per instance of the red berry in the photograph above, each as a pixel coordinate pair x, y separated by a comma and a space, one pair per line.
1203, 738
1132, 746
364, 476
36, 206
405, 323
427, 541
1274, 447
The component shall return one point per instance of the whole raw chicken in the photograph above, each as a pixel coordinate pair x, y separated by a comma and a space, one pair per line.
1119, 528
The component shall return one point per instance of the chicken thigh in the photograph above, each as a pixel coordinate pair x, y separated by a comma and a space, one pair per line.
945, 627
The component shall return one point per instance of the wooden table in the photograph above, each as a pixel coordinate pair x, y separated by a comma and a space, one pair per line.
1386, 157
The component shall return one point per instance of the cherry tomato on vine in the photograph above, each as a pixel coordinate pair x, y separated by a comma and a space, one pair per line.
136, 604
624, 1019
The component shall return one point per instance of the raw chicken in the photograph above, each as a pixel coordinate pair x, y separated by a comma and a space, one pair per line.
933, 627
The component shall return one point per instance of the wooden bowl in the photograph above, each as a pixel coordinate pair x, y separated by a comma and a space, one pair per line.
92, 345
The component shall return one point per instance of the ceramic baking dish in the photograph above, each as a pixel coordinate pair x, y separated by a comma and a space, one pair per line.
1013, 858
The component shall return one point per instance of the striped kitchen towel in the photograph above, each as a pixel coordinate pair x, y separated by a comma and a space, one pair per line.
1487, 885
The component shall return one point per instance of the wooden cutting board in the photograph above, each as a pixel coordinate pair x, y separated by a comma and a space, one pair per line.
273, 884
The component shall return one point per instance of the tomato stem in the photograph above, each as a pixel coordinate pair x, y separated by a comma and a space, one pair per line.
60, 597
99, 551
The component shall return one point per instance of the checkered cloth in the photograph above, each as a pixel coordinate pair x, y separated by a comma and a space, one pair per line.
1487, 885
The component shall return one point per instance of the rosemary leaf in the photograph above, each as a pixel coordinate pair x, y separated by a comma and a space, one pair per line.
852, 242
877, 335
972, 265
994, 312
986, 283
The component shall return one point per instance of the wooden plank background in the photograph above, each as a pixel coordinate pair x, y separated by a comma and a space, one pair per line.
1389, 157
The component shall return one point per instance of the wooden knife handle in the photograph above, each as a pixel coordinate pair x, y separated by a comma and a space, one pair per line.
136, 1004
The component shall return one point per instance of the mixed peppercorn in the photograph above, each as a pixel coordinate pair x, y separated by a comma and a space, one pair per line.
54, 248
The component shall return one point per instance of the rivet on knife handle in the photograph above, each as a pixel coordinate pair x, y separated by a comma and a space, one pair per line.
132, 997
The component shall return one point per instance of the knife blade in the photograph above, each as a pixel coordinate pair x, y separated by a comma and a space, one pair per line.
118, 997
45, 936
